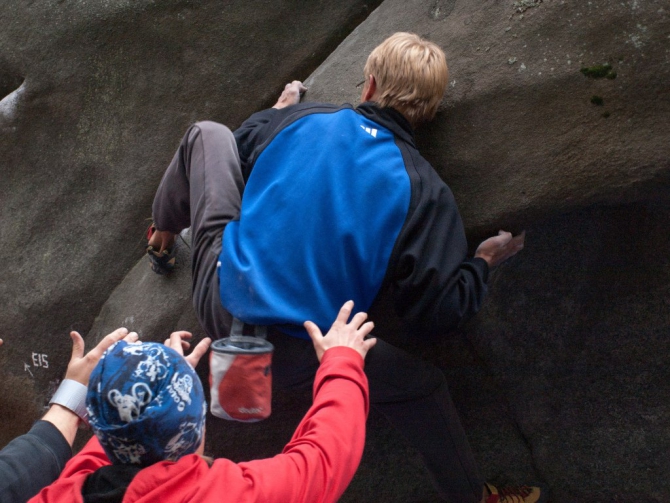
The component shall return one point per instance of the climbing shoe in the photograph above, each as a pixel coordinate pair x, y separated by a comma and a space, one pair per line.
161, 262
518, 494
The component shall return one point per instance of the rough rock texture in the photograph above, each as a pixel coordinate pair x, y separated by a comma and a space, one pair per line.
94, 99
576, 334
561, 379
150, 304
518, 137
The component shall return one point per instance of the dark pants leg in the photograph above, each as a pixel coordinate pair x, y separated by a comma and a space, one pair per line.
413, 395
202, 189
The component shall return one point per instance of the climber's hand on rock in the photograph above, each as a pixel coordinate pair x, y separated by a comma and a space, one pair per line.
497, 249
291, 94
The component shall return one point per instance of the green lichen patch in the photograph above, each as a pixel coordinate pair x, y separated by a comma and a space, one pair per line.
597, 100
599, 71
606, 114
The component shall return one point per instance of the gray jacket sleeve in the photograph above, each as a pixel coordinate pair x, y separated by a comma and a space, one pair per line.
32, 461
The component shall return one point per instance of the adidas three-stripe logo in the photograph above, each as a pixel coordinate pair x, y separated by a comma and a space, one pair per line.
372, 132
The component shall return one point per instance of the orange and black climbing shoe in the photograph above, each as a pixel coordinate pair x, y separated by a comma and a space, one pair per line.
517, 494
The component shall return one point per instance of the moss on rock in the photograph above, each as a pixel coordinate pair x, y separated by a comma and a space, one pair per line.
599, 71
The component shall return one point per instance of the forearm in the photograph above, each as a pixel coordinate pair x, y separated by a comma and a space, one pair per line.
462, 298
66, 421
436, 286
34, 460
440, 300
68, 408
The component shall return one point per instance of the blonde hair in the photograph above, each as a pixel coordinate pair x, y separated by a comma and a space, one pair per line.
411, 75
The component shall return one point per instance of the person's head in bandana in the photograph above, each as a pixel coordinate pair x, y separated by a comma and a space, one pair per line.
146, 404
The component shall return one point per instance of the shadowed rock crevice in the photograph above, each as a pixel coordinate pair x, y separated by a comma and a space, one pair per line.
580, 351
11, 89
10, 81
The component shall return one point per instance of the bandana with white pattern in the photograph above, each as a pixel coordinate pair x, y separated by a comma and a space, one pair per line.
145, 404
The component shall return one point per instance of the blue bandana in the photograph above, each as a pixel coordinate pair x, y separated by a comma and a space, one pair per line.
145, 404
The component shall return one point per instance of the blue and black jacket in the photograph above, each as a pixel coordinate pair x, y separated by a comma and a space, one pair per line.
338, 205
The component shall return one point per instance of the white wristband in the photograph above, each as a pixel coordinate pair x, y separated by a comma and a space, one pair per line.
72, 395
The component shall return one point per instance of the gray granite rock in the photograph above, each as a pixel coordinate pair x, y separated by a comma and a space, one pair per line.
518, 137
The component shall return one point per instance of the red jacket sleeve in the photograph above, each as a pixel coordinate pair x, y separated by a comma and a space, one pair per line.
326, 449
316, 466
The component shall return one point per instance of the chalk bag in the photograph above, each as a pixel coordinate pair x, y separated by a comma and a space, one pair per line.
241, 378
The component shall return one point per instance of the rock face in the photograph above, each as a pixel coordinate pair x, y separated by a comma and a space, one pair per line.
556, 121
576, 335
519, 137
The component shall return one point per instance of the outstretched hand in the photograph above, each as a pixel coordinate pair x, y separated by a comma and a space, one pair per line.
291, 94
177, 342
80, 367
497, 249
350, 335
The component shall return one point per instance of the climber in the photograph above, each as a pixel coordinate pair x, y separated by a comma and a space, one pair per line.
307, 202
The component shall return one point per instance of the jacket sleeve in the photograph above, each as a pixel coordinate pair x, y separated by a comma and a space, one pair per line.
435, 285
69, 485
326, 449
251, 135
32, 461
